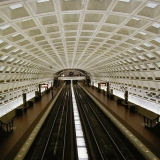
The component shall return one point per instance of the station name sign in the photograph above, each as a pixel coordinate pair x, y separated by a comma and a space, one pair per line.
102, 84
44, 85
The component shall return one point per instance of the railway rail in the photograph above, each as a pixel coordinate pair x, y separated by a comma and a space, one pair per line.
103, 139
56, 139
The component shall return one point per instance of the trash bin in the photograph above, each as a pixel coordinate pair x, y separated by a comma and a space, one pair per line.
126, 106
25, 109
30, 103
111, 97
19, 111
36, 99
132, 109
119, 101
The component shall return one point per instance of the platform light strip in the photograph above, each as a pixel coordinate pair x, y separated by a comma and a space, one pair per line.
81, 146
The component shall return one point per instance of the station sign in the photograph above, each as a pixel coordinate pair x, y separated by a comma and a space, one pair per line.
102, 84
44, 85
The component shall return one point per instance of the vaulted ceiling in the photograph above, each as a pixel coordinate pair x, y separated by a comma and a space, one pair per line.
106, 38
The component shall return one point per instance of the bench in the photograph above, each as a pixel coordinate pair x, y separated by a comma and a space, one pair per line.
151, 121
122, 102
8, 125
30, 104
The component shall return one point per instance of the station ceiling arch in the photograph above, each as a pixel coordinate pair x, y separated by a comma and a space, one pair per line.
113, 40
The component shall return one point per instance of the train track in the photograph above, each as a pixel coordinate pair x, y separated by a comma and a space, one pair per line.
103, 139
56, 139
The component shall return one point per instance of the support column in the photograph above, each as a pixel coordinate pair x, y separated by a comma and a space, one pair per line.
108, 88
88, 80
39, 91
126, 97
55, 81
24, 102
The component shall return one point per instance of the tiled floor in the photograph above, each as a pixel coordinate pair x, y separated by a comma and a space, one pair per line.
23, 125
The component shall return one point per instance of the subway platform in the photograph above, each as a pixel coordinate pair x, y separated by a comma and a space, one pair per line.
23, 125
134, 122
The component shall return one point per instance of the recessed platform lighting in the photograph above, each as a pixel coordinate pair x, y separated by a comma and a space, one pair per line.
16, 6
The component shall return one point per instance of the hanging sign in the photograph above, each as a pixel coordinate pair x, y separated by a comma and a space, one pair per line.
44, 85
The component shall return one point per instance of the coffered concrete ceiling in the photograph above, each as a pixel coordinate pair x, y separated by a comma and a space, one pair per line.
116, 40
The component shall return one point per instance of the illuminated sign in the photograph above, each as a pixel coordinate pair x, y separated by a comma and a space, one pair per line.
44, 85
102, 84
